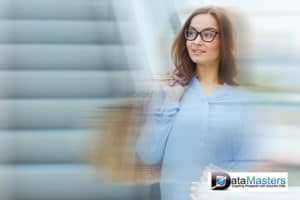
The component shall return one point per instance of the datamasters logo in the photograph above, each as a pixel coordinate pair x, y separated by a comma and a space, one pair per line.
248, 181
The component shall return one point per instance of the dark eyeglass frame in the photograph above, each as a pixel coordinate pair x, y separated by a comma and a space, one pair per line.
200, 33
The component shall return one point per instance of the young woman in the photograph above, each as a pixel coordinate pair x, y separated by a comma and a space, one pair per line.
199, 121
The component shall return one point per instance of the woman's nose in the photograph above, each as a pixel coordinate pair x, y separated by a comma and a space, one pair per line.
198, 39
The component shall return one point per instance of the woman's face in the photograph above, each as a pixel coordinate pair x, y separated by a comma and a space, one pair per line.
203, 52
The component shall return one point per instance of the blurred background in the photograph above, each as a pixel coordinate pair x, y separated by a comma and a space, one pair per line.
60, 60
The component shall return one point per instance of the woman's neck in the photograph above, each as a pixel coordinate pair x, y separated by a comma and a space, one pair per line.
208, 74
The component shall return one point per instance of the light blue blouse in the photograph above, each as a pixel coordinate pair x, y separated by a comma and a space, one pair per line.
189, 135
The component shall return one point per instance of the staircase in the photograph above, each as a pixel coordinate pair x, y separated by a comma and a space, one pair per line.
60, 60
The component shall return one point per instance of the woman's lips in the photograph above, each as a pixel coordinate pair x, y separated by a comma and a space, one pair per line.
198, 51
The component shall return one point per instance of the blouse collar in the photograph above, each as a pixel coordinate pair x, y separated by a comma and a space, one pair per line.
220, 92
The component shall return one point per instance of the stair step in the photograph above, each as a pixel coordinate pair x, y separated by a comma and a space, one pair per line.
25, 56
64, 32
58, 9
67, 84
51, 113
43, 146
68, 182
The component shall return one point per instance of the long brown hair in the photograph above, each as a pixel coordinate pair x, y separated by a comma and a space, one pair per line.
112, 146
186, 68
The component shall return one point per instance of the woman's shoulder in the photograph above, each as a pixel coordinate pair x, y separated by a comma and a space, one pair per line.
240, 94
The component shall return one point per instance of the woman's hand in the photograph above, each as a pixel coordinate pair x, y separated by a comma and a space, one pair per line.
172, 86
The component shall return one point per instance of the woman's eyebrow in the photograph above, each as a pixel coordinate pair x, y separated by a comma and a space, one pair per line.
207, 28
210, 28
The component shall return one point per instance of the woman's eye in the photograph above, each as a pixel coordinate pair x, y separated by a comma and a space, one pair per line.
208, 34
191, 33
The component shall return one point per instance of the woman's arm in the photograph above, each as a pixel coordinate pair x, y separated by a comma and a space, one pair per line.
159, 121
153, 138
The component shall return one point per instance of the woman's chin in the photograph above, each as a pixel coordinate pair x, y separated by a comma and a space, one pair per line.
203, 61
199, 61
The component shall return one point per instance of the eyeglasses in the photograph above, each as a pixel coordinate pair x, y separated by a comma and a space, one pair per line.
207, 35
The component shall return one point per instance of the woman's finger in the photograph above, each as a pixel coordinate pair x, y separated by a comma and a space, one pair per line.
177, 78
180, 80
172, 82
170, 78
